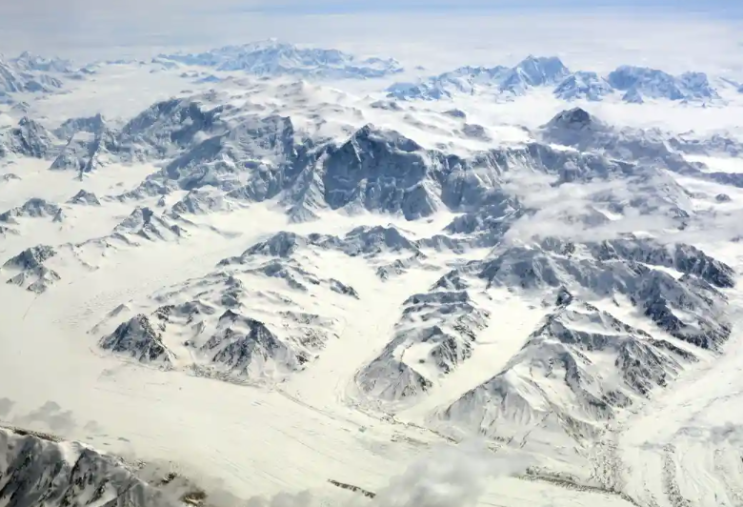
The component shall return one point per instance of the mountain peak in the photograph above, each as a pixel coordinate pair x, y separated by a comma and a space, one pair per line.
534, 71
30, 62
657, 84
583, 85
576, 116
370, 133
543, 69
572, 127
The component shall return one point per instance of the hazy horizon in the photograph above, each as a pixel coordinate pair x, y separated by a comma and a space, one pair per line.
686, 35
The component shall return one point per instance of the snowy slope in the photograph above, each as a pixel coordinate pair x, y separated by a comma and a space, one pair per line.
580, 344
29, 77
350, 279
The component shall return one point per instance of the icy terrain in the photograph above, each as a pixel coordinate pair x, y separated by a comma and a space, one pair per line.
287, 275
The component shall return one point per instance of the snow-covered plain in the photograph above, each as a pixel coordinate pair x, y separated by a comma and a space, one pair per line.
271, 283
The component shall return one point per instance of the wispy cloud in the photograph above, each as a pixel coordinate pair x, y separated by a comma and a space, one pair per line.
445, 477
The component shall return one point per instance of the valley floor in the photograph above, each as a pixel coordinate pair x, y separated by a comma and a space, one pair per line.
299, 434
246, 440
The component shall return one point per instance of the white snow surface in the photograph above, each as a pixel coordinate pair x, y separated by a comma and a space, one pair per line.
287, 282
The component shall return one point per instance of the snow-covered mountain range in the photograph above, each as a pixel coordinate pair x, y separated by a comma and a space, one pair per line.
31, 74
274, 58
397, 272
633, 84
28, 77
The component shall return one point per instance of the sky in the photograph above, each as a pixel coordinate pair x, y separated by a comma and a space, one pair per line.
681, 34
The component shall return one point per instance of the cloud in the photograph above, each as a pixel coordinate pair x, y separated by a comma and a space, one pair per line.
50, 414
447, 476
94, 7
576, 212
6, 405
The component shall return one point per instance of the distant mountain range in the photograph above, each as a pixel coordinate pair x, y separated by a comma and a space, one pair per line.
273, 58
29, 73
632, 84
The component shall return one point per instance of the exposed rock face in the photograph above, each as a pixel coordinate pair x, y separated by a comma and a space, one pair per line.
39, 470
33, 208
230, 329
139, 339
145, 223
556, 380
9, 177
28, 139
85, 198
245, 347
28, 269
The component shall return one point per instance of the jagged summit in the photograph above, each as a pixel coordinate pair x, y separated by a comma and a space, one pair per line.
28, 138
564, 297
36, 466
632, 83
28, 269
577, 127
138, 338
369, 135
145, 223
527, 394
33, 208
29, 74
27, 61
538, 273
85, 198
31, 258
93, 124
653, 83
572, 118
534, 71
282, 244
583, 85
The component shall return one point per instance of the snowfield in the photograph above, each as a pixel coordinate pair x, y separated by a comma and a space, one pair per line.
275, 276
